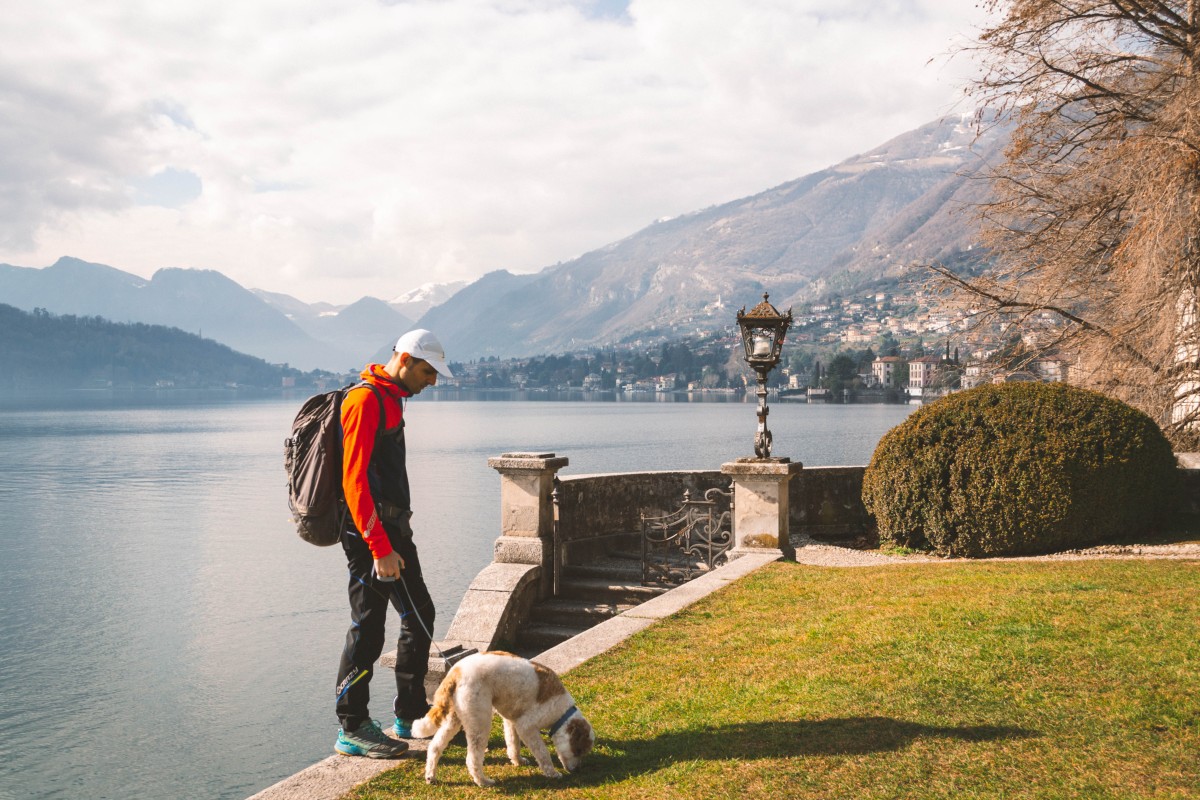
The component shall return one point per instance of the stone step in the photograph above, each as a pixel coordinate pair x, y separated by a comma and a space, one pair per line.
576, 613
627, 570
621, 590
536, 637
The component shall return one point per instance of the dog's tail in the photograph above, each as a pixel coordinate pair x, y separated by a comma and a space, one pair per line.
443, 706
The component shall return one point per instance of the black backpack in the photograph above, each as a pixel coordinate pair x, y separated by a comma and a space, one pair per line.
312, 458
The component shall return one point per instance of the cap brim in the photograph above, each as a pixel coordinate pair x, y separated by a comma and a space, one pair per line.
441, 367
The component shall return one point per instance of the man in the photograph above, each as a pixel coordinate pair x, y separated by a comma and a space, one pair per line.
384, 568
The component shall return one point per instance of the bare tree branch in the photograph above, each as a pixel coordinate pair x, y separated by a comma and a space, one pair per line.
1095, 216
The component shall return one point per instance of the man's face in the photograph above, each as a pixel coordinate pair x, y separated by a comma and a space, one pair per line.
415, 374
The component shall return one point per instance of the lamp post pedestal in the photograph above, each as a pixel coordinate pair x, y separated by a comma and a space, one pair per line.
760, 505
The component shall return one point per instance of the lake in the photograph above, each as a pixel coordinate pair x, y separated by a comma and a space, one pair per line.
165, 632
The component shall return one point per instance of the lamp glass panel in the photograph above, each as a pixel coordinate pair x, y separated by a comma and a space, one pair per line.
763, 344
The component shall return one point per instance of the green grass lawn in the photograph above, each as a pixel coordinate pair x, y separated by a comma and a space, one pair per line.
1069, 679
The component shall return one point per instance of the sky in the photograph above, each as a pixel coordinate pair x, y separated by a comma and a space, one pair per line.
331, 149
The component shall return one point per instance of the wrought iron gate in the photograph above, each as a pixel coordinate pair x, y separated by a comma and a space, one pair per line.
679, 546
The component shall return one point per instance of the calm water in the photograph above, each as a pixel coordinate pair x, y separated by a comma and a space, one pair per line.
163, 632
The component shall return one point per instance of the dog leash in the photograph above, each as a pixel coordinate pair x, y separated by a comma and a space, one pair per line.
413, 609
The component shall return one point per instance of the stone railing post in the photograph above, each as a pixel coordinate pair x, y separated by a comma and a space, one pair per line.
527, 511
760, 505
500, 596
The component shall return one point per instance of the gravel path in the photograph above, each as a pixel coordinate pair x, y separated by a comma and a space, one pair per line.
817, 554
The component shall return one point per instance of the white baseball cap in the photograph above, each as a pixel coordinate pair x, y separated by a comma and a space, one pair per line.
422, 344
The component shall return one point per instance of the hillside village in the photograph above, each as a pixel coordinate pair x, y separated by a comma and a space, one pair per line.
885, 345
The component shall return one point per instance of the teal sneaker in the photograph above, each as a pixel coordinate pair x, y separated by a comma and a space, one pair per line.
369, 740
403, 729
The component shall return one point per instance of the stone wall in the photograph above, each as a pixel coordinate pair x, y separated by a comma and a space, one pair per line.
826, 503
1189, 482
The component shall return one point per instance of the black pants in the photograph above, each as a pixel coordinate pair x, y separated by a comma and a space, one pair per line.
369, 601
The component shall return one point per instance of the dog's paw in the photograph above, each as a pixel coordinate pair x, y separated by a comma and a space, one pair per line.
485, 782
552, 773
430, 780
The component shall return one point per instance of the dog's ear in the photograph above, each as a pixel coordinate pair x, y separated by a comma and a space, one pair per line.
581, 737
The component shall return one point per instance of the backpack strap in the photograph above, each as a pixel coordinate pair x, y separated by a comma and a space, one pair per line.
382, 408
378, 428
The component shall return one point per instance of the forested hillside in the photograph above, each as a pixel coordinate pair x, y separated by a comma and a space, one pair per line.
39, 351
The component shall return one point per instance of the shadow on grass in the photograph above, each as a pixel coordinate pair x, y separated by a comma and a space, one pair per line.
617, 759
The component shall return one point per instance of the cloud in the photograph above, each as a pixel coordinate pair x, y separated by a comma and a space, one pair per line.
59, 152
341, 149
170, 188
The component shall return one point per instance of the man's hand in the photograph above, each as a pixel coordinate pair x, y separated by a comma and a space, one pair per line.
389, 566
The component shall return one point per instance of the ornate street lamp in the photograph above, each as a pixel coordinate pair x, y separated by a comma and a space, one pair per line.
763, 330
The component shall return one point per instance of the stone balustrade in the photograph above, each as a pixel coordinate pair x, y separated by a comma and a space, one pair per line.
548, 521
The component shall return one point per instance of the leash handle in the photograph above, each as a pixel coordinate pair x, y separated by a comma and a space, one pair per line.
376, 576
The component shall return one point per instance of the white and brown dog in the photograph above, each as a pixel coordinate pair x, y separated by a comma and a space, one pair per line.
528, 696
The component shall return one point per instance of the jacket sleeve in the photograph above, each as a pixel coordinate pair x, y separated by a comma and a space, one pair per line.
360, 423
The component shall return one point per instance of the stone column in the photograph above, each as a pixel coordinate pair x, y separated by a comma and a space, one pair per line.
527, 511
503, 592
760, 505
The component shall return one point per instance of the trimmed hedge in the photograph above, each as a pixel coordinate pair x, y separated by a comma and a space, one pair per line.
1017, 469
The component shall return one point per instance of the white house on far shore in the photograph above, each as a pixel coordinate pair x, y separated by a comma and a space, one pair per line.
920, 373
884, 370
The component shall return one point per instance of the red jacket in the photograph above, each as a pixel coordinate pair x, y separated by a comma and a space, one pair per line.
360, 422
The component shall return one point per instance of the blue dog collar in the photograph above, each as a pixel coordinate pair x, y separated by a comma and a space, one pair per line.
562, 720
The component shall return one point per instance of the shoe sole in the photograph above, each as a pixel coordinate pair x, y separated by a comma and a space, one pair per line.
354, 750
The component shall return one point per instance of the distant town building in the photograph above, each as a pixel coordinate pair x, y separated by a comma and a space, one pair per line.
973, 375
884, 370
921, 371
1051, 370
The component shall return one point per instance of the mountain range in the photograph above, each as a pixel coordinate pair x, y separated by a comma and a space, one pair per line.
834, 231
277, 328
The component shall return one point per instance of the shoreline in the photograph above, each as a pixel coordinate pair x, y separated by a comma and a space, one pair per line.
151, 396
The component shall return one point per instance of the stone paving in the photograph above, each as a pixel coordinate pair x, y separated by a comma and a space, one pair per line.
817, 554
